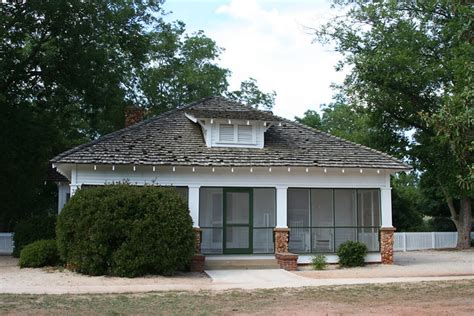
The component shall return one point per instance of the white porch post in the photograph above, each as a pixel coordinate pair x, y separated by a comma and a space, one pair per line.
281, 206
63, 190
386, 203
73, 186
193, 200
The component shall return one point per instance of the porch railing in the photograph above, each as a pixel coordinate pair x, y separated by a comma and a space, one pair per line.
316, 239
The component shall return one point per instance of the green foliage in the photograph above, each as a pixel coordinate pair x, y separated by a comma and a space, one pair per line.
407, 203
352, 254
36, 227
250, 94
312, 119
126, 230
319, 262
38, 254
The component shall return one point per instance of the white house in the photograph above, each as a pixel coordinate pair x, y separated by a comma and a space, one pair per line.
256, 184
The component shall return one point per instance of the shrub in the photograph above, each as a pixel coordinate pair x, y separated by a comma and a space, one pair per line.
40, 253
352, 254
36, 227
126, 230
319, 262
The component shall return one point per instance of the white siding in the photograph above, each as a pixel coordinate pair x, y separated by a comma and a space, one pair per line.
241, 177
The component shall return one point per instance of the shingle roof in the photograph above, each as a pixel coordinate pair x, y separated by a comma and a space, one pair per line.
172, 139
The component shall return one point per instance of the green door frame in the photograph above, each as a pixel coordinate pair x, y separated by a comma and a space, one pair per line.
249, 225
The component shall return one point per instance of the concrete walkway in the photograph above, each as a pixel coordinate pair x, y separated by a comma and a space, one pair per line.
266, 279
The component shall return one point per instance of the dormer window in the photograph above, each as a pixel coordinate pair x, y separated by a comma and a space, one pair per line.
240, 129
237, 134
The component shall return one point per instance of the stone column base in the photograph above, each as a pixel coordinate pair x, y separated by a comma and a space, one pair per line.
281, 239
386, 244
197, 263
197, 240
287, 261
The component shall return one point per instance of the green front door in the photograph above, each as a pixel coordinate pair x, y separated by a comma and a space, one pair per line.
237, 220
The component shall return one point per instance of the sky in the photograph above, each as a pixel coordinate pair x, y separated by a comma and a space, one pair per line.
270, 41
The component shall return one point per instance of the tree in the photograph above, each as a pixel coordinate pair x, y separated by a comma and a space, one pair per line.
183, 70
312, 119
411, 67
66, 74
68, 71
250, 94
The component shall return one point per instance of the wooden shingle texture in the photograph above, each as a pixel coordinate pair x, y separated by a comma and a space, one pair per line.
172, 139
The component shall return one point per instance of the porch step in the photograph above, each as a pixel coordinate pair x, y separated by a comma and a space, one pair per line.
241, 264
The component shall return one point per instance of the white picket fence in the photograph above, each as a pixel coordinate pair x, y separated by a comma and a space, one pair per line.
6, 243
419, 241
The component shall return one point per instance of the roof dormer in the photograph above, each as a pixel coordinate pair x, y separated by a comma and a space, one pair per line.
241, 129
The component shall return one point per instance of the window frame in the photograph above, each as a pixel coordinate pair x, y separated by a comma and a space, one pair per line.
235, 140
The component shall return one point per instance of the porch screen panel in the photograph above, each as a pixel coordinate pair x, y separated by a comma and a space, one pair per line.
211, 219
322, 220
298, 219
368, 207
345, 207
345, 213
264, 208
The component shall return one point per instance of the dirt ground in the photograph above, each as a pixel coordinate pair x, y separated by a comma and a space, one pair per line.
444, 264
425, 298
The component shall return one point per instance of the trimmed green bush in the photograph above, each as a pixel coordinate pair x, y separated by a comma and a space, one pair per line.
319, 262
40, 253
352, 254
36, 227
126, 230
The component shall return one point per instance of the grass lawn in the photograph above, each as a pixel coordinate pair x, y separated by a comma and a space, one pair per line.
453, 297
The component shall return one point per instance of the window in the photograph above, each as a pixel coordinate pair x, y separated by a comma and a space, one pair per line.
322, 219
238, 134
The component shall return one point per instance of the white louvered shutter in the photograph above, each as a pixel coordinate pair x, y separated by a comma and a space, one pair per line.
226, 133
244, 134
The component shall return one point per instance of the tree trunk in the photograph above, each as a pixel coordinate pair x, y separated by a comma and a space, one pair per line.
464, 224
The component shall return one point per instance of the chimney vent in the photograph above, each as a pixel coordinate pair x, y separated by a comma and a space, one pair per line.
133, 115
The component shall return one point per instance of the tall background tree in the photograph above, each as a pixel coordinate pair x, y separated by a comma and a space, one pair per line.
411, 68
68, 70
